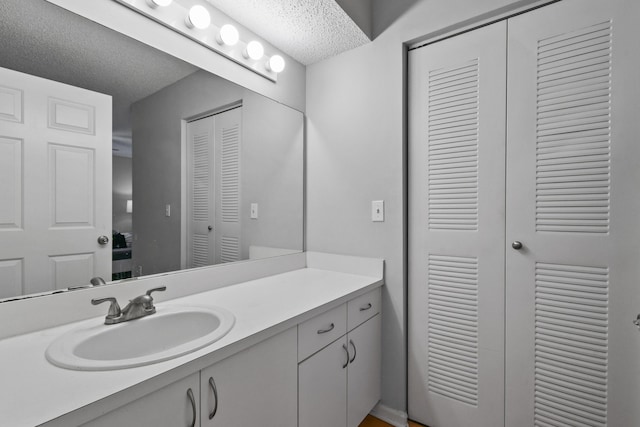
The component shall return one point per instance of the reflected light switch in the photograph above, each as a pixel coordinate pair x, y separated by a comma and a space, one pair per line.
254, 211
377, 211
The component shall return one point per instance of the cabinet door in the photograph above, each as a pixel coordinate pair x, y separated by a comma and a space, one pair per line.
363, 381
323, 387
256, 387
169, 406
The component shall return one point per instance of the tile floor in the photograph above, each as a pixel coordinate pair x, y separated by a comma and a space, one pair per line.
374, 422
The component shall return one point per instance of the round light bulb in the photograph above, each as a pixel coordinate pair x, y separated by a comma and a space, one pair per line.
228, 35
161, 3
276, 64
198, 17
254, 50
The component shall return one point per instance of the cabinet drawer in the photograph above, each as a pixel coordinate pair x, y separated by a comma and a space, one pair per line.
321, 331
363, 308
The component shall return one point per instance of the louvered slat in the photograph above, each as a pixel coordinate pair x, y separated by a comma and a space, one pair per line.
453, 327
573, 131
230, 174
201, 178
452, 187
230, 249
200, 250
571, 345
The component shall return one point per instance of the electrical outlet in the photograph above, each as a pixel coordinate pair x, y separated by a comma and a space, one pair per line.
377, 211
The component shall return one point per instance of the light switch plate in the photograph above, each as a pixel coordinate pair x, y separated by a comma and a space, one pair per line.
254, 211
377, 211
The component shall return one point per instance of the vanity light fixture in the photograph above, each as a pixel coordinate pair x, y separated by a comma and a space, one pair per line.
203, 24
228, 35
159, 3
275, 63
254, 50
198, 17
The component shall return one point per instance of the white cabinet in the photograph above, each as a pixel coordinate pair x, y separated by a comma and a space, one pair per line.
175, 405
255, 387
340, 384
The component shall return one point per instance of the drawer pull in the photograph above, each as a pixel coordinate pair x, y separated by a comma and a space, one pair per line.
329, 329
354, 351
214, 389
365, 308
192, 400
346, 351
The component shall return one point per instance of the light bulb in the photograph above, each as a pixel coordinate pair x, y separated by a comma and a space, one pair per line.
198, 17
156, 3
276, 64
228, 35
254, 50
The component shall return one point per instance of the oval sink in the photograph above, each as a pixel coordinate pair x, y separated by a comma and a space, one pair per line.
171, 332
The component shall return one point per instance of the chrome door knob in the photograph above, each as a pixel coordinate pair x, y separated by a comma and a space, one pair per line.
103, 240
209, 228
516, 245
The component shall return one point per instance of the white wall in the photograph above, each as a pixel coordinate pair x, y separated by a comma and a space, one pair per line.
356, 148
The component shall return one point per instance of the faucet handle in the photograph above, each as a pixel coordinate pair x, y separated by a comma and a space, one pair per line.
161, 288
114, 308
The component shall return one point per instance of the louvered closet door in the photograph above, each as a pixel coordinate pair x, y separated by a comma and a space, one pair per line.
573, 200
456, 230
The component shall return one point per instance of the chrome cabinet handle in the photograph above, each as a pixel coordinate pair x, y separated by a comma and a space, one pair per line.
193, 406
637, 321
365, 308
354, 351
329, 329
214, 389
517, 245
346, 350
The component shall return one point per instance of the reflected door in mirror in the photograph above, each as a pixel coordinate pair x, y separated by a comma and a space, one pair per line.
55, 184
213, 205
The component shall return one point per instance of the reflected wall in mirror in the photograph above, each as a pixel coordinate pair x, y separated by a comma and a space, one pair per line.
101, 135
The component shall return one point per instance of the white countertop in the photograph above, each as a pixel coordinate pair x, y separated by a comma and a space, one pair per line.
34, 392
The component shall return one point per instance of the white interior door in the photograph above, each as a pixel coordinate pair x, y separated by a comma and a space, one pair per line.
214, 220
456, 230
573, 201
55, 184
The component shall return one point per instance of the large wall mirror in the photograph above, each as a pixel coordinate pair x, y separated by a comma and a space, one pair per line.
118, 160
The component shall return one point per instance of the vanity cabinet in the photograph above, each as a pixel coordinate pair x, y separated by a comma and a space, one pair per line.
257, 387
340, 383
172, 405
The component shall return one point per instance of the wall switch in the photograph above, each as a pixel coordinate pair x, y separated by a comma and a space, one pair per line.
167, 210
377, 210
254, 211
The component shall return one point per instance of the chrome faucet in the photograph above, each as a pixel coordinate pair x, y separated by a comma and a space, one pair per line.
138, 307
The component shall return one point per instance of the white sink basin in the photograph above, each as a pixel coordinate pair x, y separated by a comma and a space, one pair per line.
171, 332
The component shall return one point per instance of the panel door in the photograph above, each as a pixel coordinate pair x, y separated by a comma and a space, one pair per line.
322, 387
572, 201
169, 406
456, 230
364, 371
55, 184
256, 387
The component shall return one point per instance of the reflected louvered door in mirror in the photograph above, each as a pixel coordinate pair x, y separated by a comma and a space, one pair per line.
456, 230
573, 182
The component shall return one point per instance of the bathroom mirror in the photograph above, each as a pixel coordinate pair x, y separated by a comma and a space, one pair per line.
165, 214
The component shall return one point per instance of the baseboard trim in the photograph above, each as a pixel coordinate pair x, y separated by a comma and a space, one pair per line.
392, 416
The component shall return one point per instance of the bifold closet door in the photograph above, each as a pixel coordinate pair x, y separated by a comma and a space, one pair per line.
456, 230
573, 201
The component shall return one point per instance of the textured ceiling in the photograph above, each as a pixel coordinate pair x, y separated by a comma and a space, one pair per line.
307, 30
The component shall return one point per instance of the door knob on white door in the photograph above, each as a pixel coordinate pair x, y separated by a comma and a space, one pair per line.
103, 240
516, 245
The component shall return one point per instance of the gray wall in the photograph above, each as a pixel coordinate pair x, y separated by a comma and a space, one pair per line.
121, 173
271, 166
355, 139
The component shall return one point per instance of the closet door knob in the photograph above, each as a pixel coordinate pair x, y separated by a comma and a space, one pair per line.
516, 245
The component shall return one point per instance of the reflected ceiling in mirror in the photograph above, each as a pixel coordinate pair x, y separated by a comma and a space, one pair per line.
203, 171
